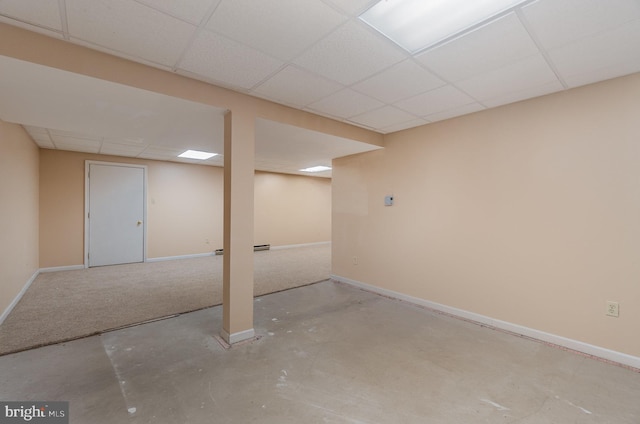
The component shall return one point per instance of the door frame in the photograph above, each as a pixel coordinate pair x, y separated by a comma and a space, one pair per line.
87, 167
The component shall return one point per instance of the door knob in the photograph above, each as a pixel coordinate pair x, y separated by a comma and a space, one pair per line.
139, 222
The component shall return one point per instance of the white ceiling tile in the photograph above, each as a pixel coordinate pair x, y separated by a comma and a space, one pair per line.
526, 93
606, 55
403, 80
36, 130
558, 22
44, 142
88, 146
452, 113
189, 10
496, 44
118, 53
353, 7
405, 125
182, 141
37, 12
296, 87
120, 149
345, 103
350, 54
280, 28
29, 27
434, 101
228, 62
160, 153
526, 74
44, 136
61, 135
60, 140
129, 27
127, 141
383, 117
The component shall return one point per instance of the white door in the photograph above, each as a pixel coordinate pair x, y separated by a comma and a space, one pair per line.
116, 212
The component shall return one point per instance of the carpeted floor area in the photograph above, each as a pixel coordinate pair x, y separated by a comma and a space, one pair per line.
67, 305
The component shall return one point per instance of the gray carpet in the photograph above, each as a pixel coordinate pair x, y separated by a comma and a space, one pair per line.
67, 305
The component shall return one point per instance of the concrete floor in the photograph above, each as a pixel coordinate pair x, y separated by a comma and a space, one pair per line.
328, 353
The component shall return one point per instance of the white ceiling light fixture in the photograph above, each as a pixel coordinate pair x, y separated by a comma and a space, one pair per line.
196, 154
316, 169
416, 25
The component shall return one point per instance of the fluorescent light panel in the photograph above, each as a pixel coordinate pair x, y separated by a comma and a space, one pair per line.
196, 154
316, 169
418, 24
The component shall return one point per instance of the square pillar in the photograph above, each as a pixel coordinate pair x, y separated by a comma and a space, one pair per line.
237, 274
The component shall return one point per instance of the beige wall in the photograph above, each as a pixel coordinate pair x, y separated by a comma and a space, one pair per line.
291, 209
184, 207
18, 211
528, 213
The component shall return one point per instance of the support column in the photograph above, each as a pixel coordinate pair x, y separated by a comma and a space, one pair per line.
237, 274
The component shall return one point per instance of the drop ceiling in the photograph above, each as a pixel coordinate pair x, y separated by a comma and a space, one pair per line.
66, 111
316, 55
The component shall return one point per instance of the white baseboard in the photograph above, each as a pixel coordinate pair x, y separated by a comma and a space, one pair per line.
597, 351
237, 337
290, 246
15, 301
173, 258
62, 268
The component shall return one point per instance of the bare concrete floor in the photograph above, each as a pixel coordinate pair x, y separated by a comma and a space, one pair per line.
328, 353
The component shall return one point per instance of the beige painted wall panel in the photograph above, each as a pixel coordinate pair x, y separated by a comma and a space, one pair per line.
291, 209
527, 213
185, 209
61, 208
18, 211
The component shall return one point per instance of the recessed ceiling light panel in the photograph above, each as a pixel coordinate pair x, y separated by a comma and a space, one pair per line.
196, 154
316, 169
418, 24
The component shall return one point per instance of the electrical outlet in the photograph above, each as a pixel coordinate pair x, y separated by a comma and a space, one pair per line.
613, 309
355, 260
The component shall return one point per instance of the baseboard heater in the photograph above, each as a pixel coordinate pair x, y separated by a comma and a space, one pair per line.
255, 248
